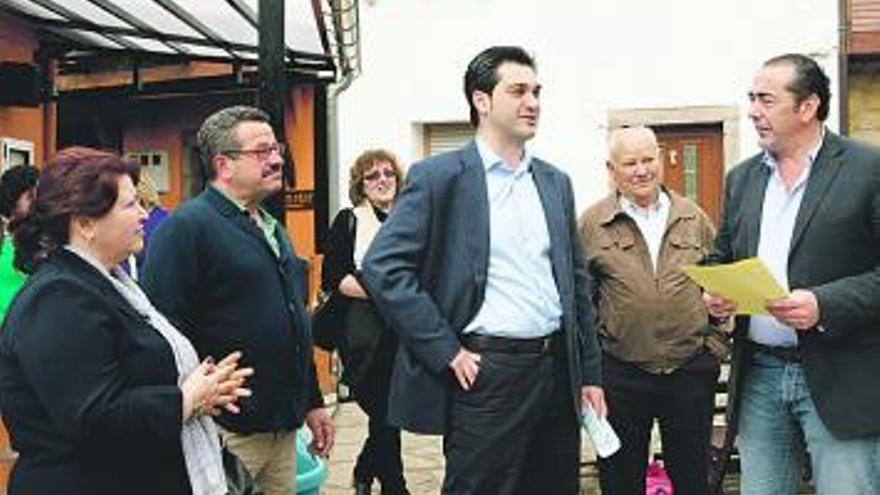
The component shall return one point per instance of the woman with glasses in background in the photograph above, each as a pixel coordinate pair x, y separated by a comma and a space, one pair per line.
368, 346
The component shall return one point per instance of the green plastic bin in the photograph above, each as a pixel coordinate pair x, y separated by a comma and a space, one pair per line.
311, 472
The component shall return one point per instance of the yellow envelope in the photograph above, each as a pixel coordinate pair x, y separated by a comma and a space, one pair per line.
747, 282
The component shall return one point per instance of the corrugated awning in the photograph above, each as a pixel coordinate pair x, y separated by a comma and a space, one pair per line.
217, 30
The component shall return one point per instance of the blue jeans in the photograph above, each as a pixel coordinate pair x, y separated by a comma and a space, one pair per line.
778, 425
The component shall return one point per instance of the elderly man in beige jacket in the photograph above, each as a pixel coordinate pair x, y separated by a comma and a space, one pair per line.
660, 354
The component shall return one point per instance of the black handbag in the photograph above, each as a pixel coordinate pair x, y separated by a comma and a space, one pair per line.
328, 317
364, 342
328, 320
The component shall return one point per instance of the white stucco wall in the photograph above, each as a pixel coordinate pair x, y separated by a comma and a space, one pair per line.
592, 57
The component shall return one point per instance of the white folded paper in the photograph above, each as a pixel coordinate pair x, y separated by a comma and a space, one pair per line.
601, 433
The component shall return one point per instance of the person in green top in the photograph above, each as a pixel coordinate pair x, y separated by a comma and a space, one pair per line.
17, 187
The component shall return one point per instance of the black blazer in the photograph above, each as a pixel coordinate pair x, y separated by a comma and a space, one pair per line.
426, 271
365, 336
88, 389
835, 252
210, 270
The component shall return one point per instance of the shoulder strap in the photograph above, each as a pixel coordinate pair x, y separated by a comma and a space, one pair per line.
351, 224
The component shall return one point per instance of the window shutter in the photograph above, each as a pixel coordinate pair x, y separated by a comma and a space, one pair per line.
440, 138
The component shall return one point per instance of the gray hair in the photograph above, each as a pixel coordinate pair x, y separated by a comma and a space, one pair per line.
217, 134
618, 136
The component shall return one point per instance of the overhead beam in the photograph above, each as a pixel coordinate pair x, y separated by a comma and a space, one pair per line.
318, 12
123, 15
74, 17
245, 11
187, 18
294, 56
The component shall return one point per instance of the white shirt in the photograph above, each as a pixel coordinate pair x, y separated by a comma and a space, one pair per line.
778, 216
651, 222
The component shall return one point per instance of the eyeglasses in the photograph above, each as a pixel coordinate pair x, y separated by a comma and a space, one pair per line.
260, 153
388, 174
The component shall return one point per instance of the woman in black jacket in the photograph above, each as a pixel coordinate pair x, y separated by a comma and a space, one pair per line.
100, 393
368, 346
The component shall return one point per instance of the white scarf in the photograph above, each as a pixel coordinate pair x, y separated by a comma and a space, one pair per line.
198, 436
367, 226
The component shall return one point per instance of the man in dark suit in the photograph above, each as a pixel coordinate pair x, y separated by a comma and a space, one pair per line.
479, 269
224, 270
809, 207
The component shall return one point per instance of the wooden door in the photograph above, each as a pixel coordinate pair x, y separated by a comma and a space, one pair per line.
693, 163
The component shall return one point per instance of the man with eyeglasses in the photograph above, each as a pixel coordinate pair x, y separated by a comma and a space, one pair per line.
225, 272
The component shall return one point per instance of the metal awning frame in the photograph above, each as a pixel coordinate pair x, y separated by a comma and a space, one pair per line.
68, 47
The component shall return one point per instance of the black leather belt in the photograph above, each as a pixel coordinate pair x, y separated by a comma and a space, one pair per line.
790, 354
488, 343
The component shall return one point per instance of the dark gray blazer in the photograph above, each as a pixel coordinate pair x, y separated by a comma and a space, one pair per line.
835, 252
426, 271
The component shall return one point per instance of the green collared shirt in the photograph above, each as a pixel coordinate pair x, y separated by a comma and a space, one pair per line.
266, 222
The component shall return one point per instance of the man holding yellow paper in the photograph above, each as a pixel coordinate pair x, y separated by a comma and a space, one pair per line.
804, 376
747, 283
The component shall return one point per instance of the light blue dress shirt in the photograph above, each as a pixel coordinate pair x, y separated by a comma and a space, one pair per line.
778, 217
521, 299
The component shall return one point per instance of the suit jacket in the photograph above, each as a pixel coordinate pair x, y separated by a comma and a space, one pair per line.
834, 253
212, 272
426, 271
88, 389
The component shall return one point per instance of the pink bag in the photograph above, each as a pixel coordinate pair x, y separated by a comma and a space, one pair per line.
657, 482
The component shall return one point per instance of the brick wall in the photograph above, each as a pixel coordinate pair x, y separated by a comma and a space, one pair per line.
864, 101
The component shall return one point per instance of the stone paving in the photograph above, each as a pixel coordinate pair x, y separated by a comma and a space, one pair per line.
423, 459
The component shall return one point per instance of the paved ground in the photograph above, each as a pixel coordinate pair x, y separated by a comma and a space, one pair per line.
423, 459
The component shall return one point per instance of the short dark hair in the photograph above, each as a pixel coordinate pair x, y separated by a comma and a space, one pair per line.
364, 162
217, 133
809, 79
482, 72
78, 182
15, 182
